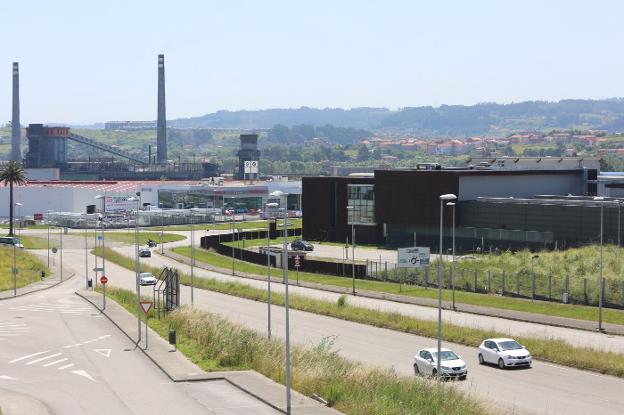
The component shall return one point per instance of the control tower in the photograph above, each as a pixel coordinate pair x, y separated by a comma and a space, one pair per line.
248, 152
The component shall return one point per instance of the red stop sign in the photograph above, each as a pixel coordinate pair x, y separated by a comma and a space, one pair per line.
103, 279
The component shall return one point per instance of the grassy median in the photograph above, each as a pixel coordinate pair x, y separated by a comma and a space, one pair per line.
29, 268
215, 343
553, 350
575, 311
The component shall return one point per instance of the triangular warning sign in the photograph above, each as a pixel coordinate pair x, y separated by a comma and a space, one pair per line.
146, 306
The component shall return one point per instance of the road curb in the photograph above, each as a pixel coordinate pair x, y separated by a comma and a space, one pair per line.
43, 287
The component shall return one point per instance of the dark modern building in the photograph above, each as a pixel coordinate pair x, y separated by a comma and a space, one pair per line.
248, 152
494, 208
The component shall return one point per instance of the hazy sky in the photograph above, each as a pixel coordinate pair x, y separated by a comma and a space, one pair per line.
86, 61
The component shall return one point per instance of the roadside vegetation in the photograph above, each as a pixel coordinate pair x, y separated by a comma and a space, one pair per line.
29, 268
33, 242
553, 350
259, 224
127, 237
576, 311
215, 343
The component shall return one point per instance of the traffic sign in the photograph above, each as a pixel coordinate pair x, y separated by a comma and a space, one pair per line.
103, 279
414, 257
297, 261
146, 306
100, 237
54, 250
98, 269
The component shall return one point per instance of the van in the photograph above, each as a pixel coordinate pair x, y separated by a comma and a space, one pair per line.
10, 240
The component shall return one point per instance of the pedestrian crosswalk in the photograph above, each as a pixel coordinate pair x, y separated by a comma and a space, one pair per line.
11, 329
68, 309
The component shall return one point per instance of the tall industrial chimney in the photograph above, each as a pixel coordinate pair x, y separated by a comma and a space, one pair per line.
16, 152
161, 122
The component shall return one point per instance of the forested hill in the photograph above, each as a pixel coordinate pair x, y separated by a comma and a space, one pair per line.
446, 119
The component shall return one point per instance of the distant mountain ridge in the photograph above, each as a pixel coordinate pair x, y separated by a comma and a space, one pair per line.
484, 118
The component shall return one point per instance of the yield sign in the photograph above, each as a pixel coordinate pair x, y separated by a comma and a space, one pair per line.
103, 352
146, 306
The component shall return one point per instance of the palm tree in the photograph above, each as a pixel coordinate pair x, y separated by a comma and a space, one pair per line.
12, 174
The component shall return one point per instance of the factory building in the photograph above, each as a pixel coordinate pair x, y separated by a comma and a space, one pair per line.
503, 208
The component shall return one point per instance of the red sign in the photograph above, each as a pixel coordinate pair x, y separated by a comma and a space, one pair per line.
103, 279
38, 216
146, 306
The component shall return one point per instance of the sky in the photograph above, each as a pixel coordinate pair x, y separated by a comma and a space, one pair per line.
86, 61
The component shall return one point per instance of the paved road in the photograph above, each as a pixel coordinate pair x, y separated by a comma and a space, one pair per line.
545, 388
59, 349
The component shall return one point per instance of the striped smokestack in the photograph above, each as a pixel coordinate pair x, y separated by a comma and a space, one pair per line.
161, 122
16, 152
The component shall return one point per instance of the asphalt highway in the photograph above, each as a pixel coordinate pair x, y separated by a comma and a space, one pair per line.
543, 389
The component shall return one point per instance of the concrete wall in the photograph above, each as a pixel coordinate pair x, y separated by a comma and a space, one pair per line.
520, 186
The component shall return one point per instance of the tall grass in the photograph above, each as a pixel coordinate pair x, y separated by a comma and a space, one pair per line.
350, 387
553, 350
29, 268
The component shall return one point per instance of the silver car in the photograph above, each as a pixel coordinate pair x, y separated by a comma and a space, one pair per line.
504, 353
451, 365
147, 278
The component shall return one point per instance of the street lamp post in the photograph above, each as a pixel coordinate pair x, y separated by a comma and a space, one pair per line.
601, 282
137, 266
15, 257
285, 267
271, 205
103, 198
48, 220
352, 210
443, 198
192, 255
619, 202
453, 264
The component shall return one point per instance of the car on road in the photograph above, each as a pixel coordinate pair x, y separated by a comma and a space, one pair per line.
301, 245
147, 278
145, 252
451, 365
504, 353
9, 240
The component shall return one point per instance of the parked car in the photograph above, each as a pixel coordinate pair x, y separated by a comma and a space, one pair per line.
451, 365
504, 353
241, 210
301, 245
9, 240
147, 278
145, 252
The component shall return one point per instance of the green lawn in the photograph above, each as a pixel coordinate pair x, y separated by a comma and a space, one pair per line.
29, 268
33, 242
260, 224
127, 237
486, 300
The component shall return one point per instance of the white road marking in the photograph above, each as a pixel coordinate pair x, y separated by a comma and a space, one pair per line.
55, 362
42, 359
83, 373
29, 356
86, 341
65, 367
103, 352
69, 346
6, 377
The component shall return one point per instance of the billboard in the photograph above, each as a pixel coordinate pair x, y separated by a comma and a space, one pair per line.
119, 203
414, 257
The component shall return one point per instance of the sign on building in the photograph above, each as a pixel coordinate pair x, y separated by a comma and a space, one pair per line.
119, 203
251, 167
414, 257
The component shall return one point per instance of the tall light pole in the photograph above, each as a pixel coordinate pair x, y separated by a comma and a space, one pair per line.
192, 255
443, 198
103, 198
352, 210
619, 202
453, 264
49, 237
601, 282
232, 225
86, 253
15, 256
271, 205
285, 267
137, 266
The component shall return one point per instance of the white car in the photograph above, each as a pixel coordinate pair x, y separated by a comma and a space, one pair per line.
504, 353
451, 365
147, 278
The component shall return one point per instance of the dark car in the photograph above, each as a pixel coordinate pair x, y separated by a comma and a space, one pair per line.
145, 252
301, 245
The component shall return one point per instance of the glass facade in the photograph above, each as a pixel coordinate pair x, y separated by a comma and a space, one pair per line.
362, 199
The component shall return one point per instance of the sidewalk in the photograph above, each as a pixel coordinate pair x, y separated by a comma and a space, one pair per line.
49, 282
179, 369
527, 317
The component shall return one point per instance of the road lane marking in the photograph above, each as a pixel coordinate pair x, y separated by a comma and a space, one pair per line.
29, 356
83, 373
55, 362
69, 346
65, 367
42, 359
7, 377
103, 352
